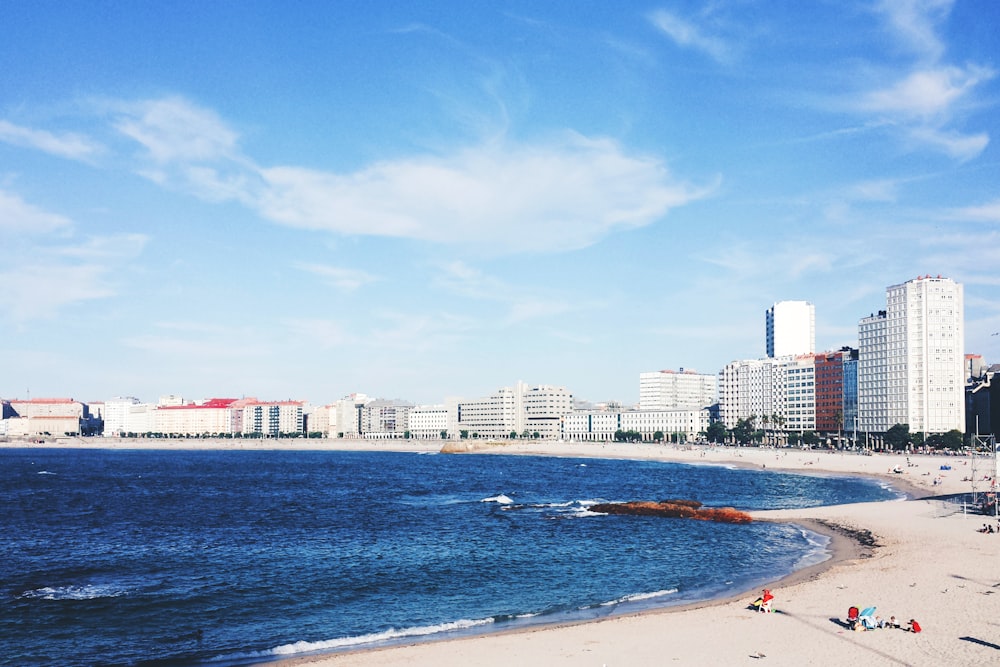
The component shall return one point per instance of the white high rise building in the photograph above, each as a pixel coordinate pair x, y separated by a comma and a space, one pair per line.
673, 390
791, 328
911, 359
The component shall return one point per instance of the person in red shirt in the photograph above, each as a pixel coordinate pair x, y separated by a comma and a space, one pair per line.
914, 626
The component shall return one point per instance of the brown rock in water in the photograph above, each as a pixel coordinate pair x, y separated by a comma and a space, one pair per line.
684, 509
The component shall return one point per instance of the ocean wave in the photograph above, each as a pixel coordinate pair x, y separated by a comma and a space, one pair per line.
637, 597
46, 472
81, 592
302, 647
501, 499
817, 552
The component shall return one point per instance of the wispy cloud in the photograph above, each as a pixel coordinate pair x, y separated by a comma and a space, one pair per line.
16, 215
68, 145
687, 34
560, 195
343, 279
46, 267
38, 290
927, 93
988, 212
172, 129
915, 22
924, 102
564, 193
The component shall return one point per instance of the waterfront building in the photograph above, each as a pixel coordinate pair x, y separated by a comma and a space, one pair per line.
384, 419
753, 388
269, 418
116, 415
672, 390
430, 421
911, 359
214, 417
601, 425
522, 410
790, 328
346, 415
56, 417
836, 390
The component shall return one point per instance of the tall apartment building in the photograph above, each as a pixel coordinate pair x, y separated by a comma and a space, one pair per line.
753, 388
778, 393
836, 390
911, 359
791, 328
674, 390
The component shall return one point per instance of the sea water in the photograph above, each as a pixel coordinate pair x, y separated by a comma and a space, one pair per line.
229, 557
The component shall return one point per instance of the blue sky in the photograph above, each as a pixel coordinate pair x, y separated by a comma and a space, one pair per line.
425, 200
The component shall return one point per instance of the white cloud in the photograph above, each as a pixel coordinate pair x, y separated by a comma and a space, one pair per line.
565, 193
926, 93
959, 146
68, 145
16, 215
39, 289
885, 190
343, 279
989, 212
47, 268
174, 130
688, 35
561, 195
915, 23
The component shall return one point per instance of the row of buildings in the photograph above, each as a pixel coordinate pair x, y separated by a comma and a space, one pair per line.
909, 368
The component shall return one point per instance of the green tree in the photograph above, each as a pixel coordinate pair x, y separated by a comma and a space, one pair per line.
810, 438
897, 437
463, 434
743, 431
658, 436
513, 435
716, 432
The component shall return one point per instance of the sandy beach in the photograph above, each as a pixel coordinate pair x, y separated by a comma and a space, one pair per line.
927, 562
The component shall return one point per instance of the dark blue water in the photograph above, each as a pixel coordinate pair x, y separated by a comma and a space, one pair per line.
187, 557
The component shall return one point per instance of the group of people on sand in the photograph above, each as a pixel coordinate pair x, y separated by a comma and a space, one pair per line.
865, 619
988, 528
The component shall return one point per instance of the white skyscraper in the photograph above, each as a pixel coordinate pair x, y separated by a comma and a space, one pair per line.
911, 359
791, 328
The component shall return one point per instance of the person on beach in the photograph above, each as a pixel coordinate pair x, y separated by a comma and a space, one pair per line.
763, 603
913, 626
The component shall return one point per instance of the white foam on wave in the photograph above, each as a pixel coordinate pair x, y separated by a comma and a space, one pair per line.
301, 647
819, 549
501, 499
46, 472
636, 597
81, 592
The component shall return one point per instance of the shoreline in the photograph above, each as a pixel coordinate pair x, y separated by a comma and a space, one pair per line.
811, 602
927, 562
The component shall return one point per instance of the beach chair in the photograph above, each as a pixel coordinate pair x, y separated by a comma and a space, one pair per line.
867, 618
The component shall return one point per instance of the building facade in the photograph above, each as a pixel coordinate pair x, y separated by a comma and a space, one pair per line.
672, 390
836, 390
911, 359
521, 410
790, 328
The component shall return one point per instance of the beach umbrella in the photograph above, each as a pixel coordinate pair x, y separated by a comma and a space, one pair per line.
868, 611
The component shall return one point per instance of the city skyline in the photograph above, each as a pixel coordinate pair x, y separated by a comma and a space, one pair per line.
427, 202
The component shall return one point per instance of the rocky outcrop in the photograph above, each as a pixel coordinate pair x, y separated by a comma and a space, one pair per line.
682, 509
